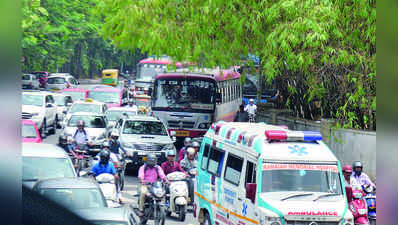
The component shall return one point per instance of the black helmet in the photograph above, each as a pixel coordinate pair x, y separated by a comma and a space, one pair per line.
104, 156
80, 123
355, 165
151, 160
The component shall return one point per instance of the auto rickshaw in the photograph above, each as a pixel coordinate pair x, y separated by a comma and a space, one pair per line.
110, 77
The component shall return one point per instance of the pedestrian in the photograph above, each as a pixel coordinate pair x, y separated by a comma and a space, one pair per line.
241, 115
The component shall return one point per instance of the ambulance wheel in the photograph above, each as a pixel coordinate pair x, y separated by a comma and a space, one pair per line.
206, 220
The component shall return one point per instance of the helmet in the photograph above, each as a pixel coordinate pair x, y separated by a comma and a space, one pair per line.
104, 156
151, 160
171, 153
105, 145
80, 123
131, 100
115, 133
191, 151
251, 100
187, 140
357, 164
347, 169
195, 144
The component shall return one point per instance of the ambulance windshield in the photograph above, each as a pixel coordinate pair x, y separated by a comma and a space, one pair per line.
281, 177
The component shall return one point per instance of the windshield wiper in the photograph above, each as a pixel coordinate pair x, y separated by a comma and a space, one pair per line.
31, 179
325, 195
298, 195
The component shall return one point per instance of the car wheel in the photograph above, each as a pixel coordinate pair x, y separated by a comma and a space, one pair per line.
53, 127
43, 129
121, 181
57, 124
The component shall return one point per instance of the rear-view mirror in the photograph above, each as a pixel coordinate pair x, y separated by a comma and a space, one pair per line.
251, 191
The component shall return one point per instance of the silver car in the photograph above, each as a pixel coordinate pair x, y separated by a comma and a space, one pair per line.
63, 102
96, 125
141, 135
60, 82
30, 81
43, 161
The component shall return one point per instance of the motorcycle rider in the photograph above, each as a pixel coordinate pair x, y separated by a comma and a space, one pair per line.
187, 143
149, 173
348, 180
170, 165
251, 108
132, 105
241, 115
114, 144
80, 136
187, 164
196, 146
362, 178
105, 166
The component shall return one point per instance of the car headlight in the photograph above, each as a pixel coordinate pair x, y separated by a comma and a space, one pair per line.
204, 125
168, 147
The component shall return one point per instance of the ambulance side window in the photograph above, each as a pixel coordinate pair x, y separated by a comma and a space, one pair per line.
215, 161
250, 173
205, 157
233, 169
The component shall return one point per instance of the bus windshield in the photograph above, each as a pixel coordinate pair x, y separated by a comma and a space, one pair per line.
187, 95
281, 177
147, 71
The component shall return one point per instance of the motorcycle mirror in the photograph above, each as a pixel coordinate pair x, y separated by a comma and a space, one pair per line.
83, 173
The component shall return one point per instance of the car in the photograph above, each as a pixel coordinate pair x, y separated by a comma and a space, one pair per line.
73, 193
76, 93
42, 76
30, 132
114, 113
141, 135
43, 161
30, 81
40, 107
88, 105
96, 125
60, 82
108, 216
64, 102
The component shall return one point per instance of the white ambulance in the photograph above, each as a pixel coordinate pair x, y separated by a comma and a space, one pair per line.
269, 175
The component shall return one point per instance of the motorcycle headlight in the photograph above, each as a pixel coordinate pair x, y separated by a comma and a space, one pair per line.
158, 192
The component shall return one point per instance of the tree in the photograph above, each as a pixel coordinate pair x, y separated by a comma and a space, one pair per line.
317, 50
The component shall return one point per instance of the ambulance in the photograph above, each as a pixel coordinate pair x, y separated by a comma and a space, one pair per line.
261, 174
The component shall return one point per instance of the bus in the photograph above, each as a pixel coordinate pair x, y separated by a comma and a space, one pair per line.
188, 103
148, 69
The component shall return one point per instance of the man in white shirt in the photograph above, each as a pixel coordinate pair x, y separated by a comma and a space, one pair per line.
251, 108
132, 105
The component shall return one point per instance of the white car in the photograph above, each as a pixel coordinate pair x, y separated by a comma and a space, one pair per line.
30, 81
86, 106
64, 102
113, 114
40, 107
60, 82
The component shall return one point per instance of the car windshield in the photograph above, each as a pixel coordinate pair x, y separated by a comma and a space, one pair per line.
56, 80
115, 115
59, 100
36, 100
76, 198
28, 131
90, 121
75, 95
109, 222
83, 107
26, 77
44, 168
281, 177
144, 127
104, 96
187, 95
142, 102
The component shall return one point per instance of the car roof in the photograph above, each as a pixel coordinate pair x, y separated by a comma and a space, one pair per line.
59, 76
142, 118
92, 103
75, 89
104, 214
42, 93
66, 182
107, 89
42, 150
60, 94
87, 114
126, 109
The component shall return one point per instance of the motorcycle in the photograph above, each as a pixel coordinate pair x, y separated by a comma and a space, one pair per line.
106, 182
119, 163
178, 197
154, 208
370, 198
80, 157
252, 117
358, 208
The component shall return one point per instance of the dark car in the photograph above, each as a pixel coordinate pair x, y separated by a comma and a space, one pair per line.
108, 216
72, 193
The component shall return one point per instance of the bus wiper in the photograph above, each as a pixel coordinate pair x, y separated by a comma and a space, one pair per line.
298, 195
30, 179
325, 195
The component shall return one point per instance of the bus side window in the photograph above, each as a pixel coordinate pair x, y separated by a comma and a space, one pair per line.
250, 173
233, 169
205, 156
215, 163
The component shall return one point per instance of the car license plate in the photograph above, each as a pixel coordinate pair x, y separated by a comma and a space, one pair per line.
55, 89
182, 133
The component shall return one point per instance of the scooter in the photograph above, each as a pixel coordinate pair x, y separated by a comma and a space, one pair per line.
178, 197
154, 208
80, 157
358, 208
119, 163
106, 182
252, 117
370, 199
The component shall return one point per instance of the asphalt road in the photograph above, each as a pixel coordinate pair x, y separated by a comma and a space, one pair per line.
130, 192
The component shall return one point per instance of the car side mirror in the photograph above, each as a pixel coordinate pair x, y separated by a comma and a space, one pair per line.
251, 191
49, 105
218, 97
78, 83
83, 173
69, 104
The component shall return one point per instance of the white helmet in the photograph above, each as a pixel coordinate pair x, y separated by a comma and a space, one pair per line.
191, 151
115, 133
251, 100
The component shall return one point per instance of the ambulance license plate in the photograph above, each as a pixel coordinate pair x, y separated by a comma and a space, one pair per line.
182, 133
